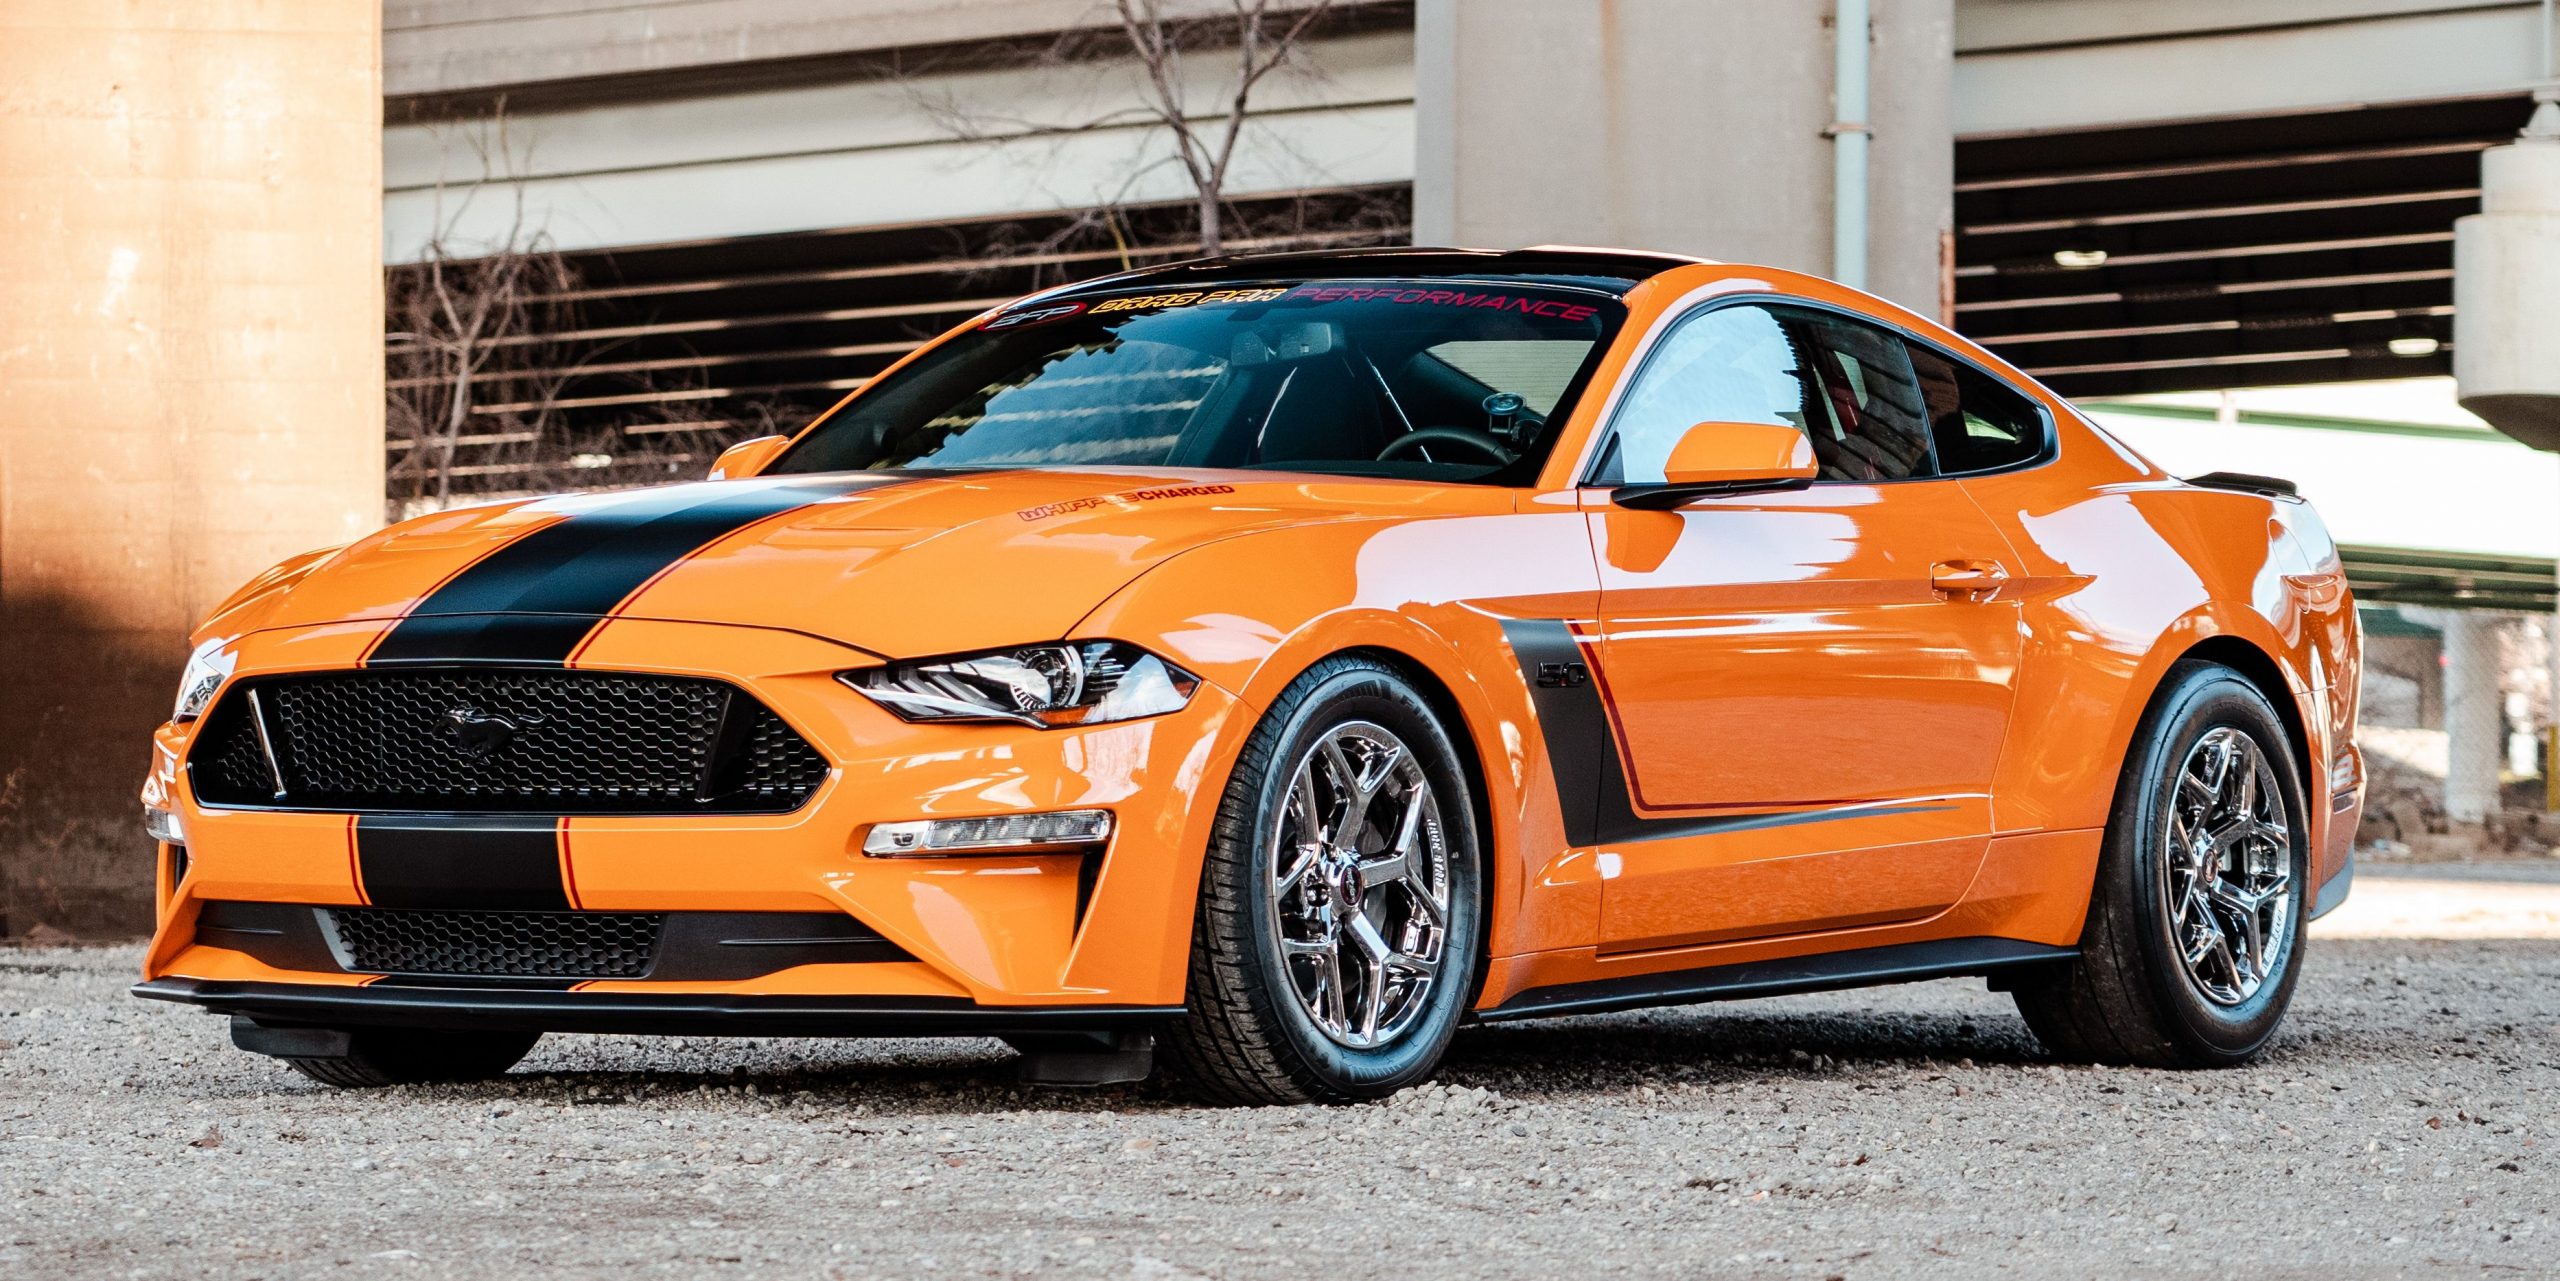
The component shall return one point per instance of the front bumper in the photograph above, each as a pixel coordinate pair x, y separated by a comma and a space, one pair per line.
1107, 932
640, 1013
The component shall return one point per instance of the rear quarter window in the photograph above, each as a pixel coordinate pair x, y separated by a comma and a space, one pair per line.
1979, 423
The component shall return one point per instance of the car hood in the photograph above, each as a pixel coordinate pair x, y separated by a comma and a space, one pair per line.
897, 563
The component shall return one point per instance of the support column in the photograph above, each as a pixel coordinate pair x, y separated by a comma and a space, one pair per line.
190, 382
1694, 126
2472, 704
2506, 269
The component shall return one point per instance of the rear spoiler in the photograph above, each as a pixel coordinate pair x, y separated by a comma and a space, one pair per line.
2247, 484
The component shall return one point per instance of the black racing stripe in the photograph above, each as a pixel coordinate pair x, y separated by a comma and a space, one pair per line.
535, 599
514, 639
497, 862
1582, 752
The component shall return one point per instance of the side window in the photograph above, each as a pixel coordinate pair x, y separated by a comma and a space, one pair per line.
1733, 364
1877, 427
1979, 422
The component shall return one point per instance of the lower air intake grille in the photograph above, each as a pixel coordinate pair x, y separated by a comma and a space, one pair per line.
513, 945
484, 741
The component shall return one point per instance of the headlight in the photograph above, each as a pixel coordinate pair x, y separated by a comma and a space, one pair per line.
1045, 686
207, 668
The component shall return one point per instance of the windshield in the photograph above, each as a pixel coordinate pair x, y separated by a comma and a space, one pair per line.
1446, 380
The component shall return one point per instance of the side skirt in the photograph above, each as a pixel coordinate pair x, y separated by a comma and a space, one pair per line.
1822, 972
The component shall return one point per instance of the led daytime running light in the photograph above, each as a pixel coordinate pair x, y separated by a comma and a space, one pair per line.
926, 838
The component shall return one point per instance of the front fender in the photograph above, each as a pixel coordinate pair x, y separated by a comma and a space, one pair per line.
1253, 613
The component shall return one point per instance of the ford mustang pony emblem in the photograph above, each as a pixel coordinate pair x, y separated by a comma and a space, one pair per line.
481, 734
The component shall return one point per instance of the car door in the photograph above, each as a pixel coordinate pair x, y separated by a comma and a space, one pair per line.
1807, 690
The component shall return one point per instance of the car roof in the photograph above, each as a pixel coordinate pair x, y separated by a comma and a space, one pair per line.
1610, 271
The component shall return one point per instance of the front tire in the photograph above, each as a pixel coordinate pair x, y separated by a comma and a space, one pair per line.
2194, 937
1340, 913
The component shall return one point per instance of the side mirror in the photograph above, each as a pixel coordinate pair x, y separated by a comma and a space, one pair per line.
1726, 458
747, 457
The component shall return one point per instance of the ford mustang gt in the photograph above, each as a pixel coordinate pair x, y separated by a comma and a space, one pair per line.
1255, 669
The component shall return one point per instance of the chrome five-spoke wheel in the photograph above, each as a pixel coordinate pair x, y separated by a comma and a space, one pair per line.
2228, 867
1359, 893
1341, 900
2193, 941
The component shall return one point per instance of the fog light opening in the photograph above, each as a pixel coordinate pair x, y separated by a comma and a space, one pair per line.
163, 825
1006, 833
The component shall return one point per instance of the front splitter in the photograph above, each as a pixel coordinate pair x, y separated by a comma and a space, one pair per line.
639, 1013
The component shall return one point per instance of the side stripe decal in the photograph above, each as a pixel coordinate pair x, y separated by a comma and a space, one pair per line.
1582, 750
535, 600
500, 862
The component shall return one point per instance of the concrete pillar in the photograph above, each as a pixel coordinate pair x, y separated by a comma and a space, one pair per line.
2474, 744
1694, 126
190, 380
2506, 270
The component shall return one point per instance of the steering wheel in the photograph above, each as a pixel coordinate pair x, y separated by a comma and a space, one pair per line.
1468, 437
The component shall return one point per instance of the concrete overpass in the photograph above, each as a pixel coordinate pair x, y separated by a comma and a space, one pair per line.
2121, 195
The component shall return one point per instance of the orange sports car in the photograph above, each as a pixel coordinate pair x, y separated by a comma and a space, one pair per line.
1259, 668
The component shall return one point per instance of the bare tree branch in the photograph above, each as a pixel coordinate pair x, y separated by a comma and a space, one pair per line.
494, 384
1205, 147
475, 370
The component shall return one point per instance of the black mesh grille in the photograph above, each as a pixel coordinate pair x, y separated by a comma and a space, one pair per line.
499, 741
513, 945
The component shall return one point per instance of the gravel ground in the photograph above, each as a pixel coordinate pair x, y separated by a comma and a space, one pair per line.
2409, 1123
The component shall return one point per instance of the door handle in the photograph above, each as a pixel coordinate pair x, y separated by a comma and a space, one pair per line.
1970, 579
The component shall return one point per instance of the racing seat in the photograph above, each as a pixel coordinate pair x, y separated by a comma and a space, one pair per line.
1325, 411
1879, 440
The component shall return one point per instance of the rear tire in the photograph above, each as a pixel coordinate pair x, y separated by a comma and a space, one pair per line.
378, 1057
1340, 920
2194, 936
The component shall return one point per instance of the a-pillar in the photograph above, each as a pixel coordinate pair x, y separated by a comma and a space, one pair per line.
190, 380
